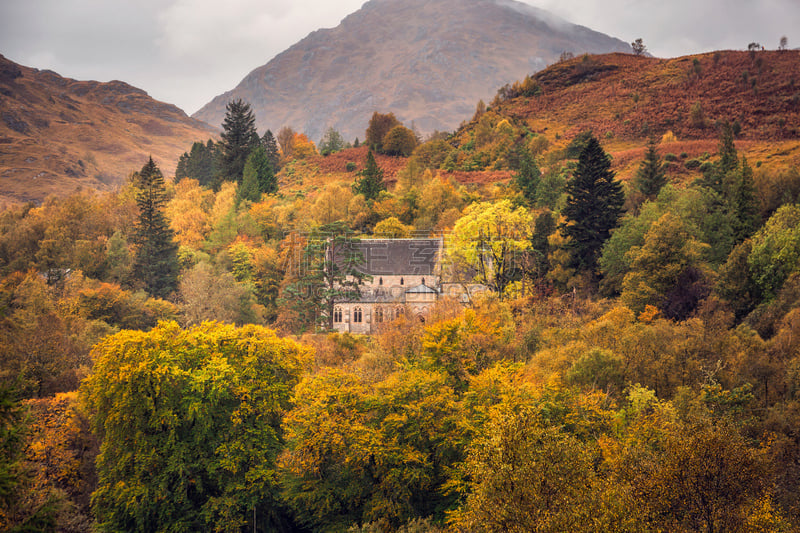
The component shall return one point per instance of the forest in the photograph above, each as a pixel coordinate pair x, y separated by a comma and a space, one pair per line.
634, 365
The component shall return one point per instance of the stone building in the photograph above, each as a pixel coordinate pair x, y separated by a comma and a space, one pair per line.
405, 279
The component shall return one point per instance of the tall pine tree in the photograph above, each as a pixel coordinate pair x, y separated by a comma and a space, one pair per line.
371, 182
745, 205
651, 176
239, 138
259, 176
271, 147
528, 177
155, 263
594, 206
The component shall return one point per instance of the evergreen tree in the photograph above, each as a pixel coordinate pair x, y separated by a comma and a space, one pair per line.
745, 205
259, 177
239, 138
593, 207
528, 177
331, 262
371, 182
718, 176
155, 262
651, 176
201, 164
271, 147
331, 142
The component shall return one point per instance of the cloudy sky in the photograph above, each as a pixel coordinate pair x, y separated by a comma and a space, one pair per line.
187, 51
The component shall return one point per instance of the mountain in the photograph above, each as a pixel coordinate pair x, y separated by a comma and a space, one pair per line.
427, 61
59, 134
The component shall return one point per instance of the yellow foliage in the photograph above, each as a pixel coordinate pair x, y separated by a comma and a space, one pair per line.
668, 137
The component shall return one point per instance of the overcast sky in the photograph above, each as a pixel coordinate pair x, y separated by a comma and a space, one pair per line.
186, 52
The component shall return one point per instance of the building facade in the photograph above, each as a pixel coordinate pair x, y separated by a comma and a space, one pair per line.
403, 278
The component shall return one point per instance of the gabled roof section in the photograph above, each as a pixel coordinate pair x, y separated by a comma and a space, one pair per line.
400, 257
421, 289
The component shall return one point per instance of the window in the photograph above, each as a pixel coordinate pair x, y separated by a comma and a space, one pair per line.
379, 315
401, 281
357, 316
380, 281
337, 314
423, 281
399, 312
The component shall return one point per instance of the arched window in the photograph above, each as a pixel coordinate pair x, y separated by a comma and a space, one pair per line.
399, 312
380, 281
357, 316
401, 281
423, 281
337, 314
379, 315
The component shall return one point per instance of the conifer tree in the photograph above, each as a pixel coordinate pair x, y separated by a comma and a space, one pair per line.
155, 262
271, 147
371, 182
651, 176
259, 176
332, 262
716, 177
594, 206
745, 204
239, 138
527, 177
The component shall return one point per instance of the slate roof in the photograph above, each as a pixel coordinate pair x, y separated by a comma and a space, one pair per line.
399, 257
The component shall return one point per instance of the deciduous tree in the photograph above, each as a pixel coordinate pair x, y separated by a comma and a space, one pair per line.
190, 427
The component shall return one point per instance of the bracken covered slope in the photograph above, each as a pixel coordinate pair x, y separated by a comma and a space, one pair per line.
628, 97
59, 134
429, 62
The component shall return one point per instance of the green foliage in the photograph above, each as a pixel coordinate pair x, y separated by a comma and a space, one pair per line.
155, 263
370, 184
658, 265
190, 426
488, 244
259, 176
651, 175
239, 138
594, 205
776, 250
329, 272
359, 453
527, 178
271, 148
200, 163
527, 475
331, 142
399, 141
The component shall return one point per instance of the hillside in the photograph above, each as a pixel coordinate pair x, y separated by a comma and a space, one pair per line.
59, 134
428, 62
624, 99
632, 97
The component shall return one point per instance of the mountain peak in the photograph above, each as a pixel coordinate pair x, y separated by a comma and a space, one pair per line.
428, 62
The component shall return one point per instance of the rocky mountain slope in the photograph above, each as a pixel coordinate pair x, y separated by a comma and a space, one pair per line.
59, 134
427, 61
